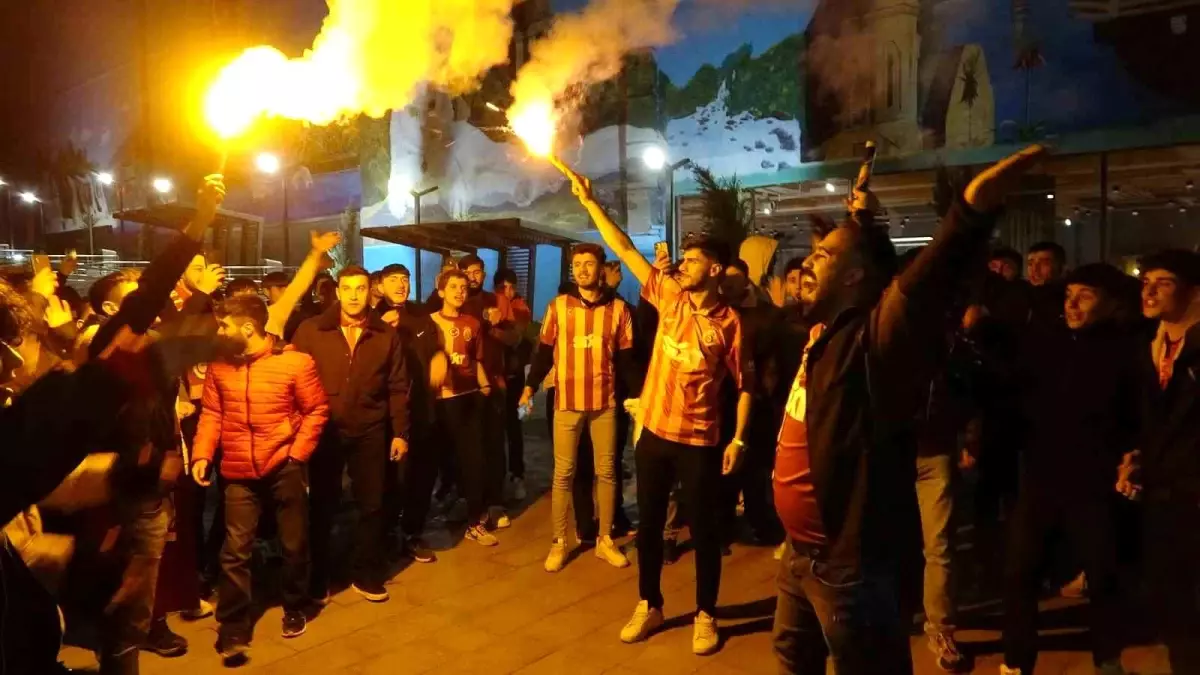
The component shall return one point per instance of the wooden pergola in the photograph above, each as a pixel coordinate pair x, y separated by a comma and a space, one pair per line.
514, 239
175, 216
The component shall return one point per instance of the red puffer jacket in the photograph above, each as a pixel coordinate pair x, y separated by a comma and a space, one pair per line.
262, 411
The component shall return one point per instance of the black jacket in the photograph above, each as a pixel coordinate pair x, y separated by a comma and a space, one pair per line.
367, 389
1171, 427
868, 376
1078, 391
419, 342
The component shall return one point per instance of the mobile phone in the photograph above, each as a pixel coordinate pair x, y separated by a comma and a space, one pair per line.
40, 261
661, 250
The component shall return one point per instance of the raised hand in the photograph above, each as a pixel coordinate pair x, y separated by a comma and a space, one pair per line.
211, 279
324, 242
988, 190
208, 199
58, 312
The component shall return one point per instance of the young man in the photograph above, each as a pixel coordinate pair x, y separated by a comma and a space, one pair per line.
515, 360
1165, 473
791, 280
363, 372
698, 344
1007, 263
844, 468
500, 333
587, 337
266, 411
1045, 263
411, 487
1079, 395
461, 400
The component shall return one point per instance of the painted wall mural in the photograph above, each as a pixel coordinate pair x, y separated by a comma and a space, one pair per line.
762, 91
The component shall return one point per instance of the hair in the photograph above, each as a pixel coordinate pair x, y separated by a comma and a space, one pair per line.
465, 262
16, 319
878, 255
376, 277
794, 265
740, 265
444, 278
1009, 254
1053, 248
352, 271
102, 291
249, 307
1101, 276
1180, 262
276, 280
241, 286
503, 276
588, 248
714, 249
612, 266
394, 268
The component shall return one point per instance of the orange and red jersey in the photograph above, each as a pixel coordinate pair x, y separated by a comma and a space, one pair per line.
493, 349
585, 339
462, 341
693, 352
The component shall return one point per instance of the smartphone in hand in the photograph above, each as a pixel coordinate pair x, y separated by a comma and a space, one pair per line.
40, 261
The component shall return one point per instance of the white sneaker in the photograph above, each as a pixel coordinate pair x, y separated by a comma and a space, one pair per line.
643, 622
1005, 670
782, 548
516, 487
480, 535
503, 522
557, 557
705, 639
607, 551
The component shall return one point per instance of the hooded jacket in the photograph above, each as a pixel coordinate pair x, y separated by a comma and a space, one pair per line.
1170, 438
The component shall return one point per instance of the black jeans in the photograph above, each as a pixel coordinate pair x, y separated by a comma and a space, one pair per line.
410, 484
494, 472
512, 422
825, 610
211, 538
1044, 507
460, 424
365, 458
698, 469
123, 631
1172, 551
245, 501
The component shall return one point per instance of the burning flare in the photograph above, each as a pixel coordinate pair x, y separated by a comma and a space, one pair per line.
536, 124
370, 57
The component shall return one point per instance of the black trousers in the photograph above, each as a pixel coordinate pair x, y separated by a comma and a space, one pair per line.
210, 538
512, 423
753, 479
365, 458
494, 426
285, 493
459, 423
410, 484
1172, 549
659, 464
1086, 516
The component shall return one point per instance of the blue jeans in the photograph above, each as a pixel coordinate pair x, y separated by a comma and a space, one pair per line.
826, 610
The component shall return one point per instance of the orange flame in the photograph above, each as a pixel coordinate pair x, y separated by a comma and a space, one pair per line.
535, 123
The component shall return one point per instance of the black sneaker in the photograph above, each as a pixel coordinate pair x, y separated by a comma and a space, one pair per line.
373, 592
419, 551
670, 551
622, 526
162, 641
233, 648
294, 624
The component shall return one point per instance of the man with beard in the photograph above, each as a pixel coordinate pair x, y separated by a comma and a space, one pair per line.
411, 484
697, 345
266, 410
844, 467
1166, 470
587, 337
1079, 391
363, 373
1007, 263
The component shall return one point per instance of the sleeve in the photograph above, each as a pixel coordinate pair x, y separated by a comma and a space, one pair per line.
314, 410
302, 339
142, 307
543, 363
550, 324
398, 384
478, 342
625, 329
660, 289
208, 431
740, 368
628, 372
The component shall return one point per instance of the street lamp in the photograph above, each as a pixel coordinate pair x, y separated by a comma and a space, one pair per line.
30, 198
105, 178
655, 159
162, 185
268, 163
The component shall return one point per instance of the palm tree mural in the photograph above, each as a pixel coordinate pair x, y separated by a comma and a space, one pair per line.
1028, 57
970, 91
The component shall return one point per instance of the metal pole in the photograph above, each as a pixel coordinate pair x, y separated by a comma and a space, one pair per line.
287, 237
417, 208
672, 226
1104, 206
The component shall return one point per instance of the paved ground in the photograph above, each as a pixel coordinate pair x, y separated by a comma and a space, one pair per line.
495, 611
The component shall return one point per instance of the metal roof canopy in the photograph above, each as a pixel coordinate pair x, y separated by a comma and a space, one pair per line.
175, 216
457, 235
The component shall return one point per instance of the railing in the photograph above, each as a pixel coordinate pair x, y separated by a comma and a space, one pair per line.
93, 267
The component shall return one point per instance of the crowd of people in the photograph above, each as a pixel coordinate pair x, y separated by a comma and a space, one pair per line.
168, 420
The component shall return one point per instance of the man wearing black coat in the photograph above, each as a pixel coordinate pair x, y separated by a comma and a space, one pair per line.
362, 370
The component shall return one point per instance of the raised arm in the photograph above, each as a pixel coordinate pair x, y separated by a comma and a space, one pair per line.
280, 310
614, 237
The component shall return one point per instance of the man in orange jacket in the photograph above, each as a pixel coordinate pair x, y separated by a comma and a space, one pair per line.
266, 410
